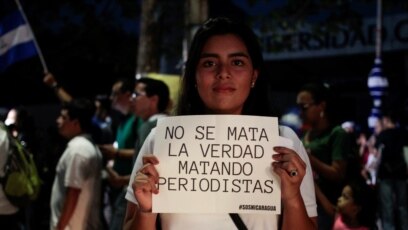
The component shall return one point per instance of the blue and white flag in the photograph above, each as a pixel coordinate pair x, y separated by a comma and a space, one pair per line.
17, 41
378, 86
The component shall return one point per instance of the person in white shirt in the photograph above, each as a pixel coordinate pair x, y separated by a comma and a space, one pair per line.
224, 75
75, 197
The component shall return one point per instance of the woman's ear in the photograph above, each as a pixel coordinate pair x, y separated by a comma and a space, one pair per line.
255, 75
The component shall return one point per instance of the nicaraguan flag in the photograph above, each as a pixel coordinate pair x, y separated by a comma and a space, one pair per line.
16, 38
378, 86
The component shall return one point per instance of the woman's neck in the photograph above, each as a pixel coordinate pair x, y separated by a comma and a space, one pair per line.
321, 126
350, 221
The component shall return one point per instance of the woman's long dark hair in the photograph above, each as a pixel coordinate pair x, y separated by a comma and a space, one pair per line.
190, 102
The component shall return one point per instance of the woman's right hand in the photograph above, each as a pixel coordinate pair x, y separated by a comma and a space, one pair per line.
145, 183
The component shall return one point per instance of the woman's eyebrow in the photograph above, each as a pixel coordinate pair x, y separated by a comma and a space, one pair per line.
239, 54
235, 54
205, 55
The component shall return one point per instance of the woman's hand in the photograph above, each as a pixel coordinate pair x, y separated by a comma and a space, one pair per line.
291, 169
145, 183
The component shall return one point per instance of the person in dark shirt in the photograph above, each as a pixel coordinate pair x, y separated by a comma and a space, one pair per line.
392, 173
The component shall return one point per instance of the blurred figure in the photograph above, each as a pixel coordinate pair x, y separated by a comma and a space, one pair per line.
120, 153
348, 126
392, 173
103, 119
355, 208
75, 197
9, 214
373, 157
328, 144
20, 122
101, 130
150, 100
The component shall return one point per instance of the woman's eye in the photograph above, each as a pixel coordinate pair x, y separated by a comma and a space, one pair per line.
208, 63
237, 62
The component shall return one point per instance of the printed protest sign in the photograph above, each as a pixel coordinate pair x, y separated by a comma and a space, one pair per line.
216, 164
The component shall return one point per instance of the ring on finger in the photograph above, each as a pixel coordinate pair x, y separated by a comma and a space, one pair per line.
293, 172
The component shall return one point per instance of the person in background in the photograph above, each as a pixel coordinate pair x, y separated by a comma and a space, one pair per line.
103, 119
355, 208
370, 167
9, 214
392, 172
326, 142
225, 75
150, 101
101, 129
76, 191
120, 153
21, 124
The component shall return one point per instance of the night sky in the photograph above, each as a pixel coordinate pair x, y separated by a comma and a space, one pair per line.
85, 45
88, 44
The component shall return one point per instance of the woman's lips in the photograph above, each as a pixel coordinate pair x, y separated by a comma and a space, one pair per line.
223, 89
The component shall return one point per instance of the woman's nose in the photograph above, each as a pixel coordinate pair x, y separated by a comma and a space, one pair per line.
223, 71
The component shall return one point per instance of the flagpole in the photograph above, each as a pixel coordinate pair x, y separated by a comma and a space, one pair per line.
378, 40
44, 65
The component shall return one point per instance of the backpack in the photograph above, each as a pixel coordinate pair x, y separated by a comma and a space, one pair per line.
21, 182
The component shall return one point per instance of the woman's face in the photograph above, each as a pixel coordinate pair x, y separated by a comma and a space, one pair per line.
310, 112
224, 74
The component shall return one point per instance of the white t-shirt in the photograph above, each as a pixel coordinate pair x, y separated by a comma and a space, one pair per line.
224, 221
6, 208
79, 167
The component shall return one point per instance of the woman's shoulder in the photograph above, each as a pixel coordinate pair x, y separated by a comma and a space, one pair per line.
286, 131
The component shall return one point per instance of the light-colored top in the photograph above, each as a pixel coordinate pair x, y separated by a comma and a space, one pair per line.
6, 208
79, 167
340, 225
224, 221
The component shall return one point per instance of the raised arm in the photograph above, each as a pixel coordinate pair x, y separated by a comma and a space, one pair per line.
50, 81
292, 169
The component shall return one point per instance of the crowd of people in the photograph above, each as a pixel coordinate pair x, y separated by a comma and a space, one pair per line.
105, 175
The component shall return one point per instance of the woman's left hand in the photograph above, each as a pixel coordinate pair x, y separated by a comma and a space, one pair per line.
291, 169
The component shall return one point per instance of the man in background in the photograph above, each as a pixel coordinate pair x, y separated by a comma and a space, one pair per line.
75, 196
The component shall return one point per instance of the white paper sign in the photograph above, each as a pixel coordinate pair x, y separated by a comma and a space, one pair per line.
217, 164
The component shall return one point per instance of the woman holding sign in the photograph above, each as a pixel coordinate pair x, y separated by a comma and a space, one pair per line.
224, 75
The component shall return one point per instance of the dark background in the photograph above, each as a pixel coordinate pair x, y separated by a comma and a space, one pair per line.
88, 44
